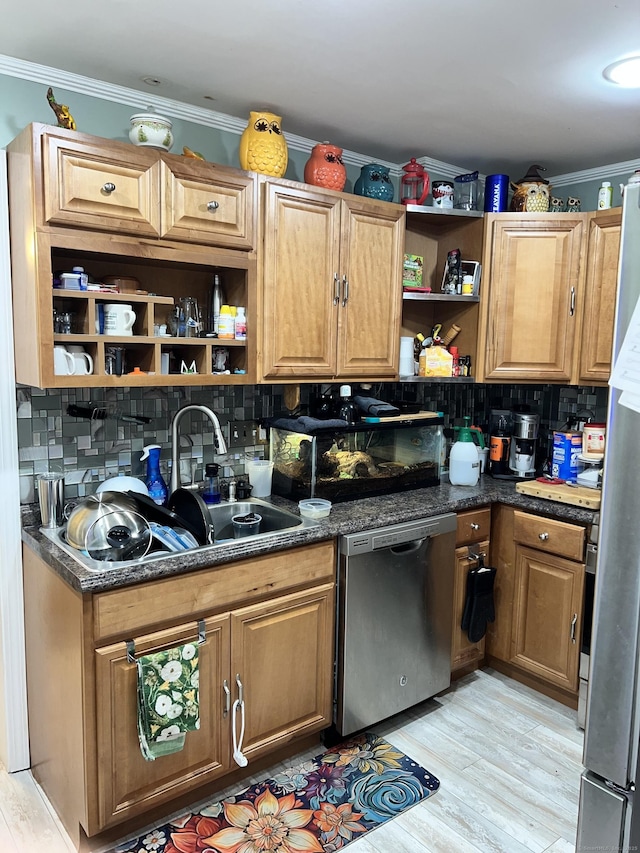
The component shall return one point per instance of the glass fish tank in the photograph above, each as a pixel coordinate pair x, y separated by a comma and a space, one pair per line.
360, 460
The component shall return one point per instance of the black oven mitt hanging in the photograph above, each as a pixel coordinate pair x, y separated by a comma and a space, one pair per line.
479, 608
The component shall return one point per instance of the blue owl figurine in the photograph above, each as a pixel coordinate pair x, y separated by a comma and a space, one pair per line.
374, 182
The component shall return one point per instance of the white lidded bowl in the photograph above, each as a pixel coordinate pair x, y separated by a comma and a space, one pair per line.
314, 507
123, 484
151, 130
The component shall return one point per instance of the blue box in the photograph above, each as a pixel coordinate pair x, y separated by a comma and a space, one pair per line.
565, 462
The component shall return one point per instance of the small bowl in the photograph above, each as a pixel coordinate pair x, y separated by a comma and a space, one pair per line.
151, 130
314, 508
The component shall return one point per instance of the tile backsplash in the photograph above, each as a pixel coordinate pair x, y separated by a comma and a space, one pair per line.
89, 451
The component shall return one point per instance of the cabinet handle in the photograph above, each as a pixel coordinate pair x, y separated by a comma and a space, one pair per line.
572, 306
227, 698
212, 206
108, 188
573, 627
345, 292
336, 288
543, 536
240, 689
475, 526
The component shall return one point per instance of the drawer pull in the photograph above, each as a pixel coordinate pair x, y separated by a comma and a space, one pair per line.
212, 206
573, 627
227, 698
543, 536
475, 526
108, 188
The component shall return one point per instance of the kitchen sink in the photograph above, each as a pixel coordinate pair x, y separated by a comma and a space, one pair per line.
275, 521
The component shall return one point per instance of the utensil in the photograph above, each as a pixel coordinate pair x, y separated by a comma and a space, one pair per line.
108, 527
193, 510
166, 516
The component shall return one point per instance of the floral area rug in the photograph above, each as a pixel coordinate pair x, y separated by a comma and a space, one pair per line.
319, 806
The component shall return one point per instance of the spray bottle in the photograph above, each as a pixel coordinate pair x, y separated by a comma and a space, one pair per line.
464, 462
158, 490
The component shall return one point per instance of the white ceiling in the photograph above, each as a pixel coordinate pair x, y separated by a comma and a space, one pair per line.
493, 85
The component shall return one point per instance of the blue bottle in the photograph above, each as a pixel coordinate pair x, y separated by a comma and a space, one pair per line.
158, 490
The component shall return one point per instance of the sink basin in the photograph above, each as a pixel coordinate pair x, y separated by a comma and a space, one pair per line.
274, 518
275, 522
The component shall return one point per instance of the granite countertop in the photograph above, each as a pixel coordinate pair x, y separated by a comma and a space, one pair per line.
348, 517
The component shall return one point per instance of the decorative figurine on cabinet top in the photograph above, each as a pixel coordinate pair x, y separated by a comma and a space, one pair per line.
151, 130
573, 205
193, 155
374, 182
557, 205
262, 145
65, 119
531, 193
325, 168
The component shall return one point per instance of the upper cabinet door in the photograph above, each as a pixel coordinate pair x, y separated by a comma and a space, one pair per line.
371, 289
101, 187
207, 204
301, 276
529, 296
600, 296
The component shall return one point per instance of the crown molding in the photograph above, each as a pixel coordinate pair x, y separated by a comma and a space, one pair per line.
140, 100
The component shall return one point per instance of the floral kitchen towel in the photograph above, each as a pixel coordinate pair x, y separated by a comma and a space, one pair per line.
168, 703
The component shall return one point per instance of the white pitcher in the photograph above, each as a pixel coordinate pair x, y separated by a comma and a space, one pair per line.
64, 364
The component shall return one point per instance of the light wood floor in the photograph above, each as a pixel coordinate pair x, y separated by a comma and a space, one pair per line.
508, 759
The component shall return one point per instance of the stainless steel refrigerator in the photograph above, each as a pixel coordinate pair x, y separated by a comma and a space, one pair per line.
609, 817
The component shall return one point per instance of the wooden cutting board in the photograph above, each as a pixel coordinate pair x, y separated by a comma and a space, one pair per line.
415, 416
576, 495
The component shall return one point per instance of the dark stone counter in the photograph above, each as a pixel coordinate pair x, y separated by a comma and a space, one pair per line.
348, 517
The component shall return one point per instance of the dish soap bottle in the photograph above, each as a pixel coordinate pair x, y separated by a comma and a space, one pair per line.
348, 410
464, 462
158, 490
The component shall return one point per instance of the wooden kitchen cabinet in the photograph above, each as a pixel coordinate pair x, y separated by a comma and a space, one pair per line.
117, 209
598, 305
432, 233
268, 627
530, 292
472, 541
331, 284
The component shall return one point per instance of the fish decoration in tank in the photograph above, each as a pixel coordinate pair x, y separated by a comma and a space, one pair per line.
65, 119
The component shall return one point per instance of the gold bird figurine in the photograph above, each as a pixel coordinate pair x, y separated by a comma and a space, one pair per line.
65, 119
195, 155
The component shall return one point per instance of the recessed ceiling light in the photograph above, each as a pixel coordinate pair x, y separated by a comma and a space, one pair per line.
151, 81
624, 72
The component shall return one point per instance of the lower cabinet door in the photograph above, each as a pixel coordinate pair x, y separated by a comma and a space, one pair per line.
127, 783
463, 651
282, 654
548, 616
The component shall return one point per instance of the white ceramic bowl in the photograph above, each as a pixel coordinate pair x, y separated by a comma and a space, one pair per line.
314, 507
123, 484
151, 131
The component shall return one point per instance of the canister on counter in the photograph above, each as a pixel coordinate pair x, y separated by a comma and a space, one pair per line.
565, 461
593, 438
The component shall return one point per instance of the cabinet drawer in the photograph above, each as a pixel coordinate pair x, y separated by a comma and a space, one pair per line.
93, 188
216, 209
548, 535
190, 596
473, 525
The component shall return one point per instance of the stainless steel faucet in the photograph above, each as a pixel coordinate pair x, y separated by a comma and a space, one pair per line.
175, 438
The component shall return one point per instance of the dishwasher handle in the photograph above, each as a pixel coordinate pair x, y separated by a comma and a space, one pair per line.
407, 547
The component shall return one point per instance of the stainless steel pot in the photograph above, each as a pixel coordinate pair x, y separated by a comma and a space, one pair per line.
108, 527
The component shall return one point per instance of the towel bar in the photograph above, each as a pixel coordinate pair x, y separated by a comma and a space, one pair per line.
131, 646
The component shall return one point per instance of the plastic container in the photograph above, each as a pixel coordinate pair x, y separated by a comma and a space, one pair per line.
211, 494
464, 462
226, 324
593, 439
246, 525
158, 490
348, 410
605, 196
260, 472
314, 508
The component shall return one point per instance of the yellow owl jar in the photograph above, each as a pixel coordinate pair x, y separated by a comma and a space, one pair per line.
262, 145
532, 193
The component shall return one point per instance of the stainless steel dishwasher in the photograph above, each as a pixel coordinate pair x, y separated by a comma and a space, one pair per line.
394, 619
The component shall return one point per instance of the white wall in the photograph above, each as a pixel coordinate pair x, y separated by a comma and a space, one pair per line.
14, 742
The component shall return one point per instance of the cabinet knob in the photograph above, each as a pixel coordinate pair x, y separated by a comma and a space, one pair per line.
212, 206
108, 188
475, 526
543, 536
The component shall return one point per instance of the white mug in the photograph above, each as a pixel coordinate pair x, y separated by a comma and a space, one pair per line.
118, 319
82, 359
64, 364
